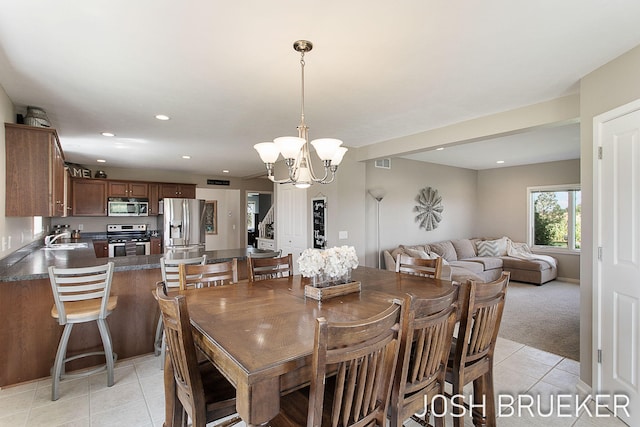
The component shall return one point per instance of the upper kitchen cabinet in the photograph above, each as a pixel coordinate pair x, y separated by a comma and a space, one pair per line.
154, 196
128, 189
35, 172
89, 197
182, 191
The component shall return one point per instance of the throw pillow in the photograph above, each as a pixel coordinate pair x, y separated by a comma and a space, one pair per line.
464, 248
496, 247
445, 249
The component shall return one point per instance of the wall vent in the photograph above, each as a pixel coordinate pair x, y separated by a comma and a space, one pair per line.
383, 163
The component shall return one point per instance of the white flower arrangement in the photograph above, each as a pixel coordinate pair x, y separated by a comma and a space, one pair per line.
333, 262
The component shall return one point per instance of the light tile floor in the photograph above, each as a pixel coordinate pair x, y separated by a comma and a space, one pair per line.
137, 397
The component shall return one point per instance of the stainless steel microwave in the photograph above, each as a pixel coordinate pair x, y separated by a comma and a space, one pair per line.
119, 206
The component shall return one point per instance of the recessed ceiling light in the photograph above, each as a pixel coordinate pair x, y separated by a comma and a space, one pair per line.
225, 171
439, 148
162, 117
186, 157
500, 162
108, 134
101, 161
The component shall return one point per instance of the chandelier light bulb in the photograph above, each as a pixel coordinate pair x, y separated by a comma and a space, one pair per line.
268, 151
289, 146
338, 155
326, 147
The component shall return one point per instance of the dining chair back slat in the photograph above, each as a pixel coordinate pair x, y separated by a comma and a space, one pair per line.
471, 358
214, 274
353, 365
428, 326
199, 388
269, 268
169, 268
419, 266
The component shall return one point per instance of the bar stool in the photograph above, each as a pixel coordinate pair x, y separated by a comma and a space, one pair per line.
82, 295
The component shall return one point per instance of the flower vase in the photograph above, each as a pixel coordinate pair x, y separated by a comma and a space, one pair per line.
323, 280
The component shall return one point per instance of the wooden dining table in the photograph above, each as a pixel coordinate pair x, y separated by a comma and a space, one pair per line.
260, 335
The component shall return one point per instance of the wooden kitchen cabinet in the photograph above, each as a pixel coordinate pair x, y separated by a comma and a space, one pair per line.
183, 191
89, 197
68, 200
154, 198
128, 189
101, 248
156, 246
35, 172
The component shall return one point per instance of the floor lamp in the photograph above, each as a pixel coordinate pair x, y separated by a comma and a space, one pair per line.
378, 196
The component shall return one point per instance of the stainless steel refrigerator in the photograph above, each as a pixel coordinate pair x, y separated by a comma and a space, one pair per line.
182, 223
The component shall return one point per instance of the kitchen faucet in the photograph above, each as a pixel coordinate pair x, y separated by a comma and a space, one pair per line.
48, 241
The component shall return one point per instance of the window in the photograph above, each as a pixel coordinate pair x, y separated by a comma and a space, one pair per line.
554, 217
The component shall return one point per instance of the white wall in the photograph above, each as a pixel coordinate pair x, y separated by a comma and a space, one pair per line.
612, 85
15, 232
401, 184
230, 227
502, 203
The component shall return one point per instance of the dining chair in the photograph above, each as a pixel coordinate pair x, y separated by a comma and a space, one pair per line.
214, 274
269, 268
353, 364
82, 295
419, 266
266, 254
471, 358
427, 330
171, 278
199, 390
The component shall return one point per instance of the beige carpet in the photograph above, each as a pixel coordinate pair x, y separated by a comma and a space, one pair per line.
546, 317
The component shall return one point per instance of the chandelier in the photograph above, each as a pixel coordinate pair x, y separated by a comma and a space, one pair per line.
295, 149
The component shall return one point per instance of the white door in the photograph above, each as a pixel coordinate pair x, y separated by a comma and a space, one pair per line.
291, 221
617, 272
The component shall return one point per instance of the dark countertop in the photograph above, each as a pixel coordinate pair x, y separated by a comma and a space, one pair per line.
32, 262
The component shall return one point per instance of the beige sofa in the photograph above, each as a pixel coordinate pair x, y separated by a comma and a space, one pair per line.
482, 260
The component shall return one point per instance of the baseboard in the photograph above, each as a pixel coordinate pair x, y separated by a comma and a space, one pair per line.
583, 388
568, 280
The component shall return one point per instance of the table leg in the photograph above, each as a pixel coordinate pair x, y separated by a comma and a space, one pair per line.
258, 403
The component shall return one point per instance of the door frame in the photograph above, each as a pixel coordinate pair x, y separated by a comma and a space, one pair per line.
244, 210
598, 122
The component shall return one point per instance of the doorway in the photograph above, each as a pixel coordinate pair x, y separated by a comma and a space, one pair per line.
258, 204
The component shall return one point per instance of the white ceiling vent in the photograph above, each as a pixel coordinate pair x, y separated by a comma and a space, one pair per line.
383, 163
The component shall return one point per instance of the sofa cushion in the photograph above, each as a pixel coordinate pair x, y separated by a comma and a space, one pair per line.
445, 249
524, 264
464, 248
489, 263
496, 247
474, 267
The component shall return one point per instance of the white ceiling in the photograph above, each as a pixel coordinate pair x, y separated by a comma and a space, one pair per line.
227, 75
539, 146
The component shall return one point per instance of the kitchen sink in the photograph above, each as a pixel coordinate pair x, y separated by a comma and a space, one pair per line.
65, 246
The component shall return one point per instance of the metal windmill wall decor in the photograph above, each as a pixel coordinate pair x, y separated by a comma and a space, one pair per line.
429, 208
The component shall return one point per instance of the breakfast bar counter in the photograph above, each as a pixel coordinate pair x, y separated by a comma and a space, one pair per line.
31, 335
33, 261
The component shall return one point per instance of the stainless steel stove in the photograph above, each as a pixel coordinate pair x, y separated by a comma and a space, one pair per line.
118, 235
